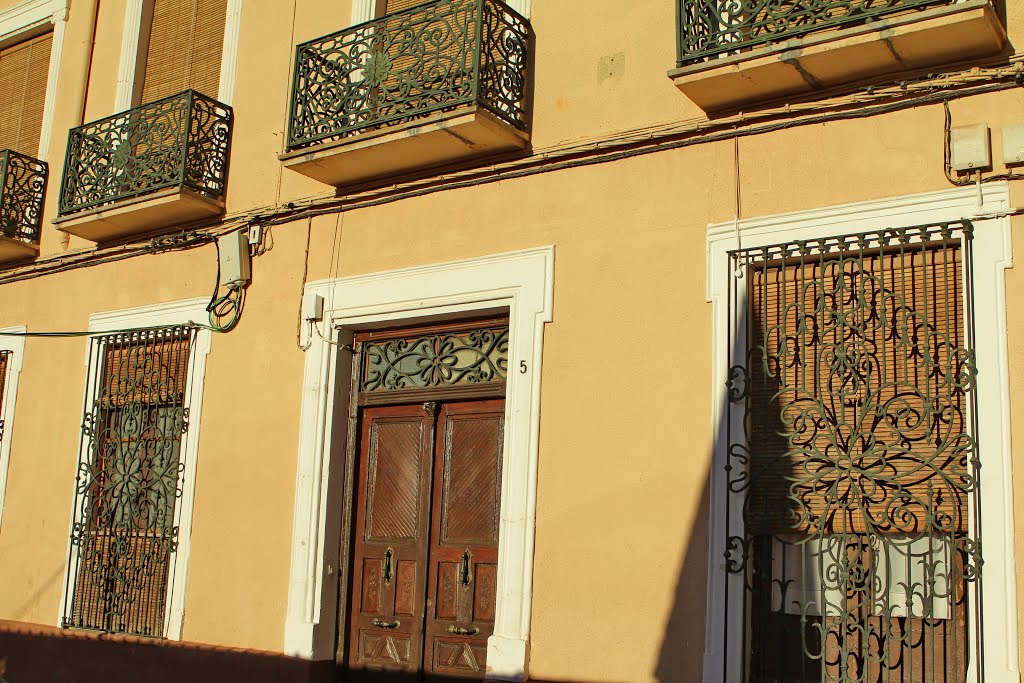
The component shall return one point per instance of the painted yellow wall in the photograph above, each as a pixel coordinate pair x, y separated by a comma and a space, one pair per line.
626, 433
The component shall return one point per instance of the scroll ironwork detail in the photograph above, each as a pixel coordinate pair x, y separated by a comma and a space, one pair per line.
710, 28
129, 479
22, 189
851, 494
435, 360
182, 141
435, 56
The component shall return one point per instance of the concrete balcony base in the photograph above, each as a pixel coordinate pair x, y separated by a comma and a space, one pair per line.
824, 60
16, 250
149, 213
448, 137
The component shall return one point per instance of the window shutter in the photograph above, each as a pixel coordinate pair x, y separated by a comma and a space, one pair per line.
23, 71
186, 42
915, 297
399, 5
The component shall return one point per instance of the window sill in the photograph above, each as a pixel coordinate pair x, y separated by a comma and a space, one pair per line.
828, 59
127, 218
454, 136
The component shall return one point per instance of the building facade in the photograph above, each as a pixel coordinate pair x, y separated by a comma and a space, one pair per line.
669, 340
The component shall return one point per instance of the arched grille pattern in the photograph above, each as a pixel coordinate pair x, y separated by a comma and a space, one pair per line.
852, 476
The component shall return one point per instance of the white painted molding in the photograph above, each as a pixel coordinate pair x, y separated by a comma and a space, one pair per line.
27, 15
129, 63
992, 256
60, 21
521, 6
520, 281
229, 55
16, 346
363, 10
163, 315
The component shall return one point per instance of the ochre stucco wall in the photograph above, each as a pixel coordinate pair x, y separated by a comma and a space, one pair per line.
626, 434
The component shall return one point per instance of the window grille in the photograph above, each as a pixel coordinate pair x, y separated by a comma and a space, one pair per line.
852, 550
129, 474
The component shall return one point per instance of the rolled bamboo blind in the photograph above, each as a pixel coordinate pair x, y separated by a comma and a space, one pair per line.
186, 43
23, 71
857, 425
399, 5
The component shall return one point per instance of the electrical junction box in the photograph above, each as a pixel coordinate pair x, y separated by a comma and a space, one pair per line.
970, 147
312, 306
1013, 145
234, 260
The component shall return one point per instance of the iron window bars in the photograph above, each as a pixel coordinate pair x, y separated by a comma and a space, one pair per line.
711, 28
22, 188
129, 477
433, 57
181, 141
853, 549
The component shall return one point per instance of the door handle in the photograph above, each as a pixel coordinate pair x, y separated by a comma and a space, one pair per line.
464, 575
463, 631
386, 624
389, 554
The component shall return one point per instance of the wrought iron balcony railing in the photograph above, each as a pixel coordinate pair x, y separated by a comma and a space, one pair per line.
180, 141
433, 57
709, 28
22, 188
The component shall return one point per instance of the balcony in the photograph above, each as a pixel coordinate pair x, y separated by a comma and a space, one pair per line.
438, 83
22, 188
734, 52
162, 164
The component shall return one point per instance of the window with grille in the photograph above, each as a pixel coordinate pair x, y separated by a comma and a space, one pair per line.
128, 481
853, 489
186, 42
23, 72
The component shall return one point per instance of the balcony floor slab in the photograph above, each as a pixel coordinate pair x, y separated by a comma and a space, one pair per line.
17, 250
139, 215
448, 137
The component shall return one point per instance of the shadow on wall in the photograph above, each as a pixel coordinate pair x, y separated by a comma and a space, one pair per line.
39, 654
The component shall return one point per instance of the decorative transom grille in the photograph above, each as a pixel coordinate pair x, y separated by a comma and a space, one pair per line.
476, 356
852, 547
128, 481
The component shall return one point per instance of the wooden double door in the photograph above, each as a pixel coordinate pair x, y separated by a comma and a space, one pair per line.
425, 552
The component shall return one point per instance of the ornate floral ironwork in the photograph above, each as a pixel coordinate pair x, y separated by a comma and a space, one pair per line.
852, 489
708, 28
435, 360
436, 56
22, 188
125, 529
181, 141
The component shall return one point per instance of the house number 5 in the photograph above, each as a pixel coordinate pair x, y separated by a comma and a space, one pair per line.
522, 367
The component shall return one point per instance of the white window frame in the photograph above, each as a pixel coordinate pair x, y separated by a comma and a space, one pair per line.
160, 315
992, 253
15, 346
27, 20
519, 281
132, 65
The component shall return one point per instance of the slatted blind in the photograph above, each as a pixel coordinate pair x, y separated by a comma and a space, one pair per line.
399, 5
855, 409
23, 71
185, 46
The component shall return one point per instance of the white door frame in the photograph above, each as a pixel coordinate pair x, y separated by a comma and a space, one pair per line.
522, 283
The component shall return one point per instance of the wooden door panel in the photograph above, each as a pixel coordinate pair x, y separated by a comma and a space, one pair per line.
464, 545
392, 525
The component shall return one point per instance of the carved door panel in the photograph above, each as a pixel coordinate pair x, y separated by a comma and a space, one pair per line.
390, 550
464, 538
